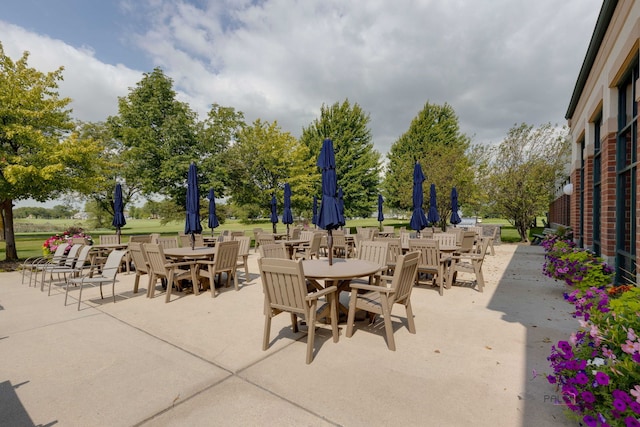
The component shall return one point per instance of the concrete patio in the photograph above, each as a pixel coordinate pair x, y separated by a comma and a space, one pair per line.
198, 361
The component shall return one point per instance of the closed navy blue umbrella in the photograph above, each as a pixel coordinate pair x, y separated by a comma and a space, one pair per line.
455, 218
341, 204
330, 217
192, 224
380, 213
213, 218
433, 216
314, 218
287, 216
118, 210
274, 211
418, 220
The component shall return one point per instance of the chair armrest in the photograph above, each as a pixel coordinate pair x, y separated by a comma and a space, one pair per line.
374, 288
467, 256
180, 264
325, 291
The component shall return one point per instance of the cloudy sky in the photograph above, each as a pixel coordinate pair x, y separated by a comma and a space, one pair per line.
496, 62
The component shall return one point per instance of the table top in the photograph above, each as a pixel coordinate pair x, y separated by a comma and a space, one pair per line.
197, 252
294, 242
340, 269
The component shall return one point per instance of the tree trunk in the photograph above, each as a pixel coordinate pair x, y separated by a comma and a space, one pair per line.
6, 208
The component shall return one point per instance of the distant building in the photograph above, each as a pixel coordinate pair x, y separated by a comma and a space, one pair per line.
601, 201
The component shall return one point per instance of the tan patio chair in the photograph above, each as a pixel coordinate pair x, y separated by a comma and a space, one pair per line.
140, 263
446, 239
467, 241
256, 232
168, 242
431, 261
394, 249
285, 290
141, 238
340, 245
161, 268
274, 250
375, 251
109, 239
389, 230
310, 249
225, 261
108, 275
244, 242
469, 263
185, 240
266, 238
493, 238
380, 299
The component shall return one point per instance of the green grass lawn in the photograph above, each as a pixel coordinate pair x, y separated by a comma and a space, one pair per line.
30, 243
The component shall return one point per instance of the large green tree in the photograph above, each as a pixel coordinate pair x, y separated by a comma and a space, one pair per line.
525, 169
159, 136
40, 156
261, 161
357, 162
433, 139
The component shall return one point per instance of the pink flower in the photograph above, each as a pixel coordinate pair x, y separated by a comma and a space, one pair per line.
631, 334
636, 392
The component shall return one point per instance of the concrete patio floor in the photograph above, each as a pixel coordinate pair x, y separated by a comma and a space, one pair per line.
198, 361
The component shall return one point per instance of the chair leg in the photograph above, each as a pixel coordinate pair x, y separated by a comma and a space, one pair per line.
169, 286
388, 326
267, 328
352, 312
136, 283
294, 322
334, 317
410, 321
479, 276
311, 328
80, 296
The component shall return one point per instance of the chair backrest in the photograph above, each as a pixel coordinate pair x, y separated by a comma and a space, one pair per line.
226, 238
83, 256
273, 250
168, 242
295, 233
244, 243
138, 257
427, 233
306, 235
265, 239
483, 248
72, 255
404, 239
112, 265
394, 247
467, 242
79, 241
374, 251
237, 233
156, 258
388, 229
185, 240
316, 241
446, 239
59, 257
226, 257
429, 250
404, 276
109, 239
284, 284
154, 237
338, 238
142, 238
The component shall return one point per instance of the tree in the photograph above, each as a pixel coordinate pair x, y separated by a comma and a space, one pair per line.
434, 140
357, 163
526, 167
261, 161
40, 157
158, 136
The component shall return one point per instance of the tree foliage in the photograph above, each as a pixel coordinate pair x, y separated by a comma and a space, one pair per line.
433, 139
261, 161
357, 162
40, 156
526, 167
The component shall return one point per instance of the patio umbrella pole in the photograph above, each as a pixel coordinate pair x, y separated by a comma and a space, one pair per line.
193, 241
330, 245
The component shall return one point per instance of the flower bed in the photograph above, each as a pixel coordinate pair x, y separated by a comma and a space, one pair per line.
51, 244
597, 370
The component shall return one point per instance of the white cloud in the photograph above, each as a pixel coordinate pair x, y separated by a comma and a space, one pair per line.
497, 62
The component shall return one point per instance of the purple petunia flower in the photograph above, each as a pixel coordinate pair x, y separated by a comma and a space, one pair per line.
581, 378
619, 405
588, 397
602, 378
631, 422
590, 421
635, 407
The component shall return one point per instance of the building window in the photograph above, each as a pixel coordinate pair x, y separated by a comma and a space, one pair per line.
597, 185
581, 195
626, 171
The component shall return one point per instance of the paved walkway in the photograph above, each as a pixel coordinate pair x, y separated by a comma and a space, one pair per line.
198, 361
